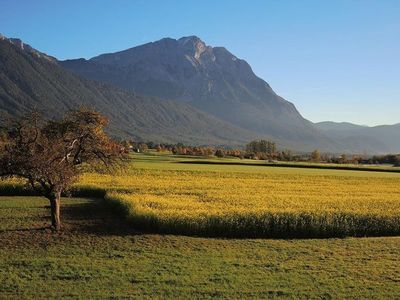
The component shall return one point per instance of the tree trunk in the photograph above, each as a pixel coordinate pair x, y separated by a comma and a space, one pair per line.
55, 202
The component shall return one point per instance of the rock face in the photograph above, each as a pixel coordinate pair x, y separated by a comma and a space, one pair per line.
27, 48
209, 78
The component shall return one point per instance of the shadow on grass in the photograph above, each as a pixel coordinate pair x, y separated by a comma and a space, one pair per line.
25, 229
96, 216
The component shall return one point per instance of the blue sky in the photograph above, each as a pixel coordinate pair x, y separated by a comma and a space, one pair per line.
335, 60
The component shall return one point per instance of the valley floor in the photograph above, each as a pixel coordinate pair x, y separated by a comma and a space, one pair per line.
98, 256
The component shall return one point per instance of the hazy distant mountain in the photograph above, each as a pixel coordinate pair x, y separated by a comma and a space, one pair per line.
377, 139
30, 79
209, 78
338, 126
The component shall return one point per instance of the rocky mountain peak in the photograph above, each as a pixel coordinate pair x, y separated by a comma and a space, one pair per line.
194, 45
16, 42
27, 48
192, 39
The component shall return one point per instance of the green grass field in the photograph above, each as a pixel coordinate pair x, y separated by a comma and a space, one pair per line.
103, 254
98, 256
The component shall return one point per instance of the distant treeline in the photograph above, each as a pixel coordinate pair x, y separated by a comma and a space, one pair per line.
385, 159
264, 150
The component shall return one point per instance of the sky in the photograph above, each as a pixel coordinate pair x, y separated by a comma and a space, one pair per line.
335, 60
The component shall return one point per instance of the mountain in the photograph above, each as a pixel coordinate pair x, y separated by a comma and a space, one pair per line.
208, 78
378, 139
217, 99
30, 79
338, 126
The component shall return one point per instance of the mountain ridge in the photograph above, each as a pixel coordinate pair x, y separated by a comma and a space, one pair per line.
209, 78
336, 123
380, 138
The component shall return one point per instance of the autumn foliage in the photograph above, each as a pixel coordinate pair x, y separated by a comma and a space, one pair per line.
48, 153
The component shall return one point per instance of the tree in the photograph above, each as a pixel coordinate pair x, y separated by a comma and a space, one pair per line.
316, 156
396, 161
262, 148
143, 148
219, 153
343, 159
47, 154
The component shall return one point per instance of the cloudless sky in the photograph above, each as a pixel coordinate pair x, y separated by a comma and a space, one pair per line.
335, 60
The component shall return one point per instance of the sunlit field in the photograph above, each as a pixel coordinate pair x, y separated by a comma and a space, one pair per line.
163, 193
257, 201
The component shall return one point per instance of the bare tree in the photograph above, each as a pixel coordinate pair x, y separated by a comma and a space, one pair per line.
48, 154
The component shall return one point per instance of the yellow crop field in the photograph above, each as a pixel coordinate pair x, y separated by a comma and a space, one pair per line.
161, 194
256, 202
